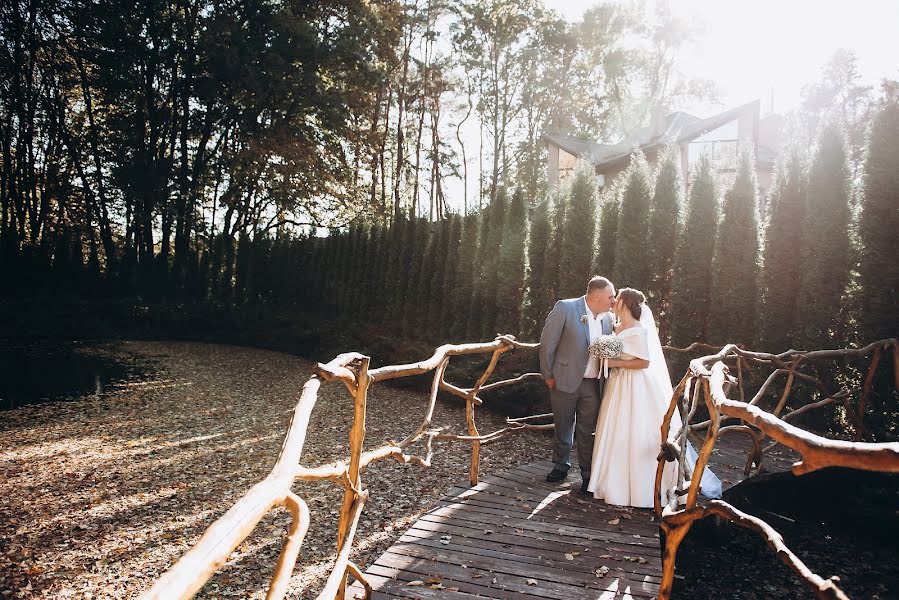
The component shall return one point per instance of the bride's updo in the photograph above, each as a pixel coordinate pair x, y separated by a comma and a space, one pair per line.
631, 299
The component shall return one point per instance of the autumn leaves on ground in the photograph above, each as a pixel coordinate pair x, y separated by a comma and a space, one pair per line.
98, 496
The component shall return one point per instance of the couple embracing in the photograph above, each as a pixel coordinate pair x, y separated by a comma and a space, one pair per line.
622, 399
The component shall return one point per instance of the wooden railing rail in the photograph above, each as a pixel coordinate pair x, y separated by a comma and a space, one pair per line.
709, 377
212, 550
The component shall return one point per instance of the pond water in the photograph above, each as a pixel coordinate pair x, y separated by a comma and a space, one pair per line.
45, 372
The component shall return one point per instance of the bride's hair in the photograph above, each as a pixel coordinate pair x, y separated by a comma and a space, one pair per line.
632, 300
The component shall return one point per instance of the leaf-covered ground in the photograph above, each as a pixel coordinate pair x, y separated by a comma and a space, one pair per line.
98, 496
837, 521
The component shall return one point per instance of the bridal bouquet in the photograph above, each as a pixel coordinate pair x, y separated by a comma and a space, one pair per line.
605, 347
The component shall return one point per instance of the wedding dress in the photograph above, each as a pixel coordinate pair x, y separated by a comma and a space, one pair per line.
628, 429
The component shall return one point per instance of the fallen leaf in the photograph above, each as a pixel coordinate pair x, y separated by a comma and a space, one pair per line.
532, 582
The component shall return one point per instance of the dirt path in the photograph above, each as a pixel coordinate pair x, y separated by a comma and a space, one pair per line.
99, 495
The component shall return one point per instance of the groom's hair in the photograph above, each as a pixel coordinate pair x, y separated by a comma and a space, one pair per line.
598, 283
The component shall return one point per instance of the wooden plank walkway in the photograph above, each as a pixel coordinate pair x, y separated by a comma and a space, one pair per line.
516, 536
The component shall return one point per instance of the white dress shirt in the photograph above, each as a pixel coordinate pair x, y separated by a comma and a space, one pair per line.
594, 322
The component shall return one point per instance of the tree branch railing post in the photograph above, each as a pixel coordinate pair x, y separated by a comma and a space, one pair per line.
706, 376
223, 536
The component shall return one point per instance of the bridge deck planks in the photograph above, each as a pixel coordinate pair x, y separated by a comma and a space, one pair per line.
516, 536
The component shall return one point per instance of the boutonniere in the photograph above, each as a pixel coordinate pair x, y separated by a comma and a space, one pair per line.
584, 319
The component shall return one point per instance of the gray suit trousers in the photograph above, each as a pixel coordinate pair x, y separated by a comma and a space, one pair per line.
575, 417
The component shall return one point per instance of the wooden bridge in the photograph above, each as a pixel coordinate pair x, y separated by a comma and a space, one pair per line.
511, 533
514, 534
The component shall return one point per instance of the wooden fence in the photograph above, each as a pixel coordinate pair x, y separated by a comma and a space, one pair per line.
707, 376
217, 543
710, 378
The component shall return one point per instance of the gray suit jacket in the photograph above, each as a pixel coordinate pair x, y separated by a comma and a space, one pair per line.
564, 342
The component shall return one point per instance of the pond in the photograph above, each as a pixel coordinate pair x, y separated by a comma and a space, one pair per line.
49, 371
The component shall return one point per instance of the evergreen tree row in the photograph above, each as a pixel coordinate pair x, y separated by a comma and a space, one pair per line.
818, 272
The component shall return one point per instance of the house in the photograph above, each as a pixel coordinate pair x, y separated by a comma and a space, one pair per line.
720, 136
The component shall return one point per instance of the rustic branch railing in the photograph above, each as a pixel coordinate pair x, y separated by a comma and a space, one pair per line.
217, 543
709, 377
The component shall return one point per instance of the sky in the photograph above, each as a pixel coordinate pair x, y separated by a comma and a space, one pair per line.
755, 48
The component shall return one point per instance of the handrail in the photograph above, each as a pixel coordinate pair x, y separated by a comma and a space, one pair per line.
709, 376
197, 565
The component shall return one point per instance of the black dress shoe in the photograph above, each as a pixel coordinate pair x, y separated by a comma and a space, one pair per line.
556, 475
584, 491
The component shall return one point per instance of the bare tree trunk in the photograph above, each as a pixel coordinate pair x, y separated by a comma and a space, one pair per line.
462, 147
383, 151
481, 149
400, 102
373, 188
421, 124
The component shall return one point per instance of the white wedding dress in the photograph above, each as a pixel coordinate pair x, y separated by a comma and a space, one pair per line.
628, 430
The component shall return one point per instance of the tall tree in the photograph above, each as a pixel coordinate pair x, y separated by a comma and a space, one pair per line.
879, 224
735, 269
552, 274
610, 206
490, 36
693, 260
420, 234
476, 300
429, 252
840, 95
782, 255
438, 275
576, 256
665, 222
534, 309
632, 250
451, 273
490, 265
510, 275
463, 288
826, 256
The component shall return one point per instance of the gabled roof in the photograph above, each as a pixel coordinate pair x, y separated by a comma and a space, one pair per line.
576, 146
679, 127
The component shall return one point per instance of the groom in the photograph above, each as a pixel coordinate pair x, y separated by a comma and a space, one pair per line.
572, 376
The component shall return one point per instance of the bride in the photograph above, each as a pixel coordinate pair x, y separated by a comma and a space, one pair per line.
636, 397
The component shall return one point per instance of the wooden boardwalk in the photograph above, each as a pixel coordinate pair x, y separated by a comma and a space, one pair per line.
516, 536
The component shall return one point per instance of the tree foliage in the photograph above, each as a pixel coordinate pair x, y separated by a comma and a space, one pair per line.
879, 223
735, 269
576, 248
632, 251
534, 304
665, 224
782, 255
510, 274
610, 206
826, 255
692, 291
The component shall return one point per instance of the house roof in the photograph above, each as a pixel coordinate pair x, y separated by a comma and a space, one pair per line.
577, 146
679, 127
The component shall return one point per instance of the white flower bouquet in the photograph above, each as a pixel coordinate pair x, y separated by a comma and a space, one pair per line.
605, 347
